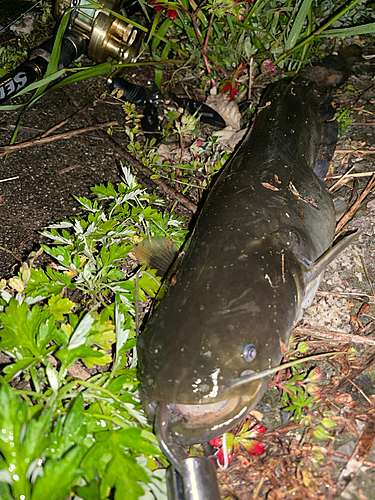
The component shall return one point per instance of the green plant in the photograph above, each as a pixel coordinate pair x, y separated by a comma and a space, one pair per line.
301, 396
69, 434
225, 38
193, 165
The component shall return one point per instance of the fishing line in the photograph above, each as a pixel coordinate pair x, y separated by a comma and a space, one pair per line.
21, 16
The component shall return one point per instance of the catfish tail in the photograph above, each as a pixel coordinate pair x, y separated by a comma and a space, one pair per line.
333, 71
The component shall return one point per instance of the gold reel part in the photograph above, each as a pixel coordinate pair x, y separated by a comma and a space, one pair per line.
109, 37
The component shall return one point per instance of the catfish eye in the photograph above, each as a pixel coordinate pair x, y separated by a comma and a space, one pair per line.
249, 353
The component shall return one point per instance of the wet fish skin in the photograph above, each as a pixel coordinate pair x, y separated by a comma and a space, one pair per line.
244, 278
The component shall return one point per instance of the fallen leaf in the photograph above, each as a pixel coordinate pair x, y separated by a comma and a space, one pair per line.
269, 186
364, 308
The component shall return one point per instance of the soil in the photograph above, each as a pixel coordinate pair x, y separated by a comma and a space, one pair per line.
38, 185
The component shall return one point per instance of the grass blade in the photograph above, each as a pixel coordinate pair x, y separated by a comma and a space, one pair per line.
298, 24
363, 29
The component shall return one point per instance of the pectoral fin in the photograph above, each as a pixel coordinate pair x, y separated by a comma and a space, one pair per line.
158, 252
319, 265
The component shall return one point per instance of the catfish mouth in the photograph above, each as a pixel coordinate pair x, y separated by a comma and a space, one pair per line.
205, 414
190, 424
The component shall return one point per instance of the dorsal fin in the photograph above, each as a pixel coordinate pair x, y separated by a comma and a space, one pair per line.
320, 264
157, 252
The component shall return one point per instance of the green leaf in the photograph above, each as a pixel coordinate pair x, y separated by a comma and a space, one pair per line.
123, 473
69, 356
20, 328
22, 441
321, 433
58, 306
131, 438
5, 493
91, 491
59, 476
18, 366
70, 431
41, 284
328, 423
79, 336
298, 24
363, 29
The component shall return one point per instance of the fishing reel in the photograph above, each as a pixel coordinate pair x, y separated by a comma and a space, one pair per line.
102, 35
96, 32
108, 36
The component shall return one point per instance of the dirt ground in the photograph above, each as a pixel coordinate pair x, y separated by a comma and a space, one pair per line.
38, 185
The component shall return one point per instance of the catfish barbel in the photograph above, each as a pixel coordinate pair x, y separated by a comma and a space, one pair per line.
251, 267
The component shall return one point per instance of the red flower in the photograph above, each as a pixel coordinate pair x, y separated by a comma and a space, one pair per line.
172, 14
256, 449
231, 83
230, 86
158, 7
268, 67
220, 456
216, 442
259, 428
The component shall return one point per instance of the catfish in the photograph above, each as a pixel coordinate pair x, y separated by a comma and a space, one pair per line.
251, 266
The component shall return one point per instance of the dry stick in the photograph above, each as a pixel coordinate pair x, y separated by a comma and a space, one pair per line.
356, 206
350, 176
122, 152
334, 336
361, 151
328, 452
350, 295
63, 122
10, 179
341, 180
367, 274
4, 150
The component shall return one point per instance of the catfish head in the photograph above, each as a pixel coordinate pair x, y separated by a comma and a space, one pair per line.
214, 330
210, 332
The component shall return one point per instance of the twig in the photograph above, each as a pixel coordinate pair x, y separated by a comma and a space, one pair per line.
10, 179
354, 151
356, 206
63, 122
250, 78
341, 180
29, 130
122, 152
4, 150
356, 386
334, 336
333, 453
347, 175
259, 486
367, 274
354, 296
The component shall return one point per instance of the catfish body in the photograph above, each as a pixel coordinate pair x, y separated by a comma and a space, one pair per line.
249, 269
